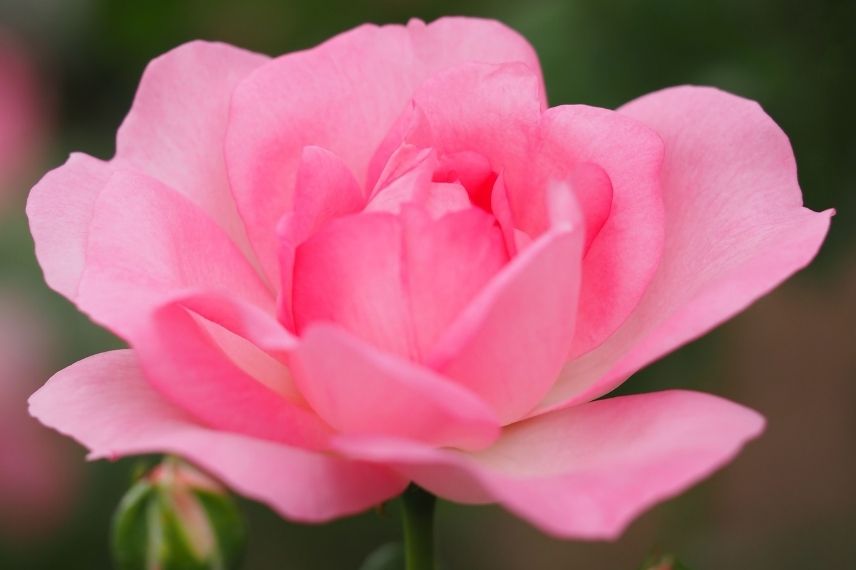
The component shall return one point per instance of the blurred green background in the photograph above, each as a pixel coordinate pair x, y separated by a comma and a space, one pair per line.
788, 502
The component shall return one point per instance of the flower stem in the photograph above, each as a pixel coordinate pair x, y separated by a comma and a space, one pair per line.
418, 519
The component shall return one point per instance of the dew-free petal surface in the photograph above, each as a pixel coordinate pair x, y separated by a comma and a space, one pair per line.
176, 127
362, 391
583, 472
735, 228
343, 95
106, 404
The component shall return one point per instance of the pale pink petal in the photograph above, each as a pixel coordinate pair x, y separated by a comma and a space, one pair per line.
509, 344
325, 189
397, 282
492, 110
624, 253
584, 472
186, 360
407, 178
60, 208
735, 228
105, 403
146, 242
360, 390
343, 95
176, 128
242, 319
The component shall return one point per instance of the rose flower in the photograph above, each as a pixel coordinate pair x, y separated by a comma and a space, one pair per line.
385, 260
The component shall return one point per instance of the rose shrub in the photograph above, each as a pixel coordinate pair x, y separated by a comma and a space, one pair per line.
385, 260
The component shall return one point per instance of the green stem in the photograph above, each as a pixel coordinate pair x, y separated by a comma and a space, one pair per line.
418, 515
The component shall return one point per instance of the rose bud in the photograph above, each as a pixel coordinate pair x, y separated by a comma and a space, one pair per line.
176, 517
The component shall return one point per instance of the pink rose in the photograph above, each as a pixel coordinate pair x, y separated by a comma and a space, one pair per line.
385, 260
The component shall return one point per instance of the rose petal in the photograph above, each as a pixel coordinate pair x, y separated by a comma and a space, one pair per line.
360, 390
325, 190
397, 282
735, 228
145, 243
622, 258
492, 110
584, 472
511, 341
60, 209
105, 403
343, 95
183, 361
175, 129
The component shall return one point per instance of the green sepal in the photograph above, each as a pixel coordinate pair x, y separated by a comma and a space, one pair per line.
162, 513
130, 532
227, 522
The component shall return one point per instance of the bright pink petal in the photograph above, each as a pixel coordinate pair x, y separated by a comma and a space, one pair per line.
587, 471
396, 281
735, 228
509, 344
145, 243
226, 385
60, 209
105, 403
176, 127
625, 251
360, 390
325, 189
350, 274
447, 262
343, 95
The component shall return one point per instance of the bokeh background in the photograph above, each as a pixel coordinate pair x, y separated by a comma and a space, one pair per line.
788, 502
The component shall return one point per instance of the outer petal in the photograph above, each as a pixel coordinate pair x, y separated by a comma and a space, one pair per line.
343, 95
735, 228
362, 391
196, 365
146, 242
511, 341
624, 254
176, 127
106, 404
174, 132
60, 209
585, 472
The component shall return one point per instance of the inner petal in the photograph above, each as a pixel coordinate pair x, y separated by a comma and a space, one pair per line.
396, 281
